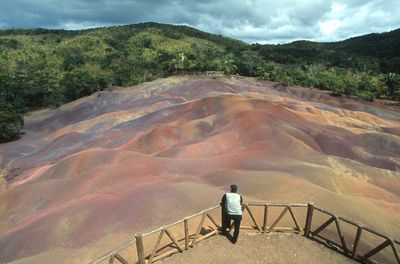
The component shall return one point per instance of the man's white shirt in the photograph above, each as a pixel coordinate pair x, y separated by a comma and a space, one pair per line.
233, 206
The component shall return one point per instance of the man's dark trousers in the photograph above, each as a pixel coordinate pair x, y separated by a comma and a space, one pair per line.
236, 223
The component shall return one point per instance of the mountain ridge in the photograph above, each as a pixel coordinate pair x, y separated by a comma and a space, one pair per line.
39, 31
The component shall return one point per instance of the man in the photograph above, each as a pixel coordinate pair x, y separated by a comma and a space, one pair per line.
232, 210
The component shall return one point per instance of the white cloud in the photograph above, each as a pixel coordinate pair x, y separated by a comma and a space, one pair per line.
81, 25
338, 8
328, 27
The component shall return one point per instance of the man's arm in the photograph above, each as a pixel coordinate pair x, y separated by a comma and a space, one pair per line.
241, 199
223, 200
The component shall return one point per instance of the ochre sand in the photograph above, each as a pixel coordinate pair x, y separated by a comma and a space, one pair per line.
88, 175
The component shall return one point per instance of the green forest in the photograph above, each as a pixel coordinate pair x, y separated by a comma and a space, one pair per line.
45, 68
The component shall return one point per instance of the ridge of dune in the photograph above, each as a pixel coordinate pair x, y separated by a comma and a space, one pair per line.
118, 162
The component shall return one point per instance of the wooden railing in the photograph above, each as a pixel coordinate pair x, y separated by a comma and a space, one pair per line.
342, 246
263, 217
208, 73
212, 73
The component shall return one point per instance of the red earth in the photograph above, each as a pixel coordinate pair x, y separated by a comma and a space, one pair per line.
89, 174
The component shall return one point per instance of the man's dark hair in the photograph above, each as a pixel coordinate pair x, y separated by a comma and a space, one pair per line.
233, 188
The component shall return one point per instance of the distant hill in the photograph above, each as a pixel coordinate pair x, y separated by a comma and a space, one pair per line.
55, 66
379, 45
170, 31
379, 50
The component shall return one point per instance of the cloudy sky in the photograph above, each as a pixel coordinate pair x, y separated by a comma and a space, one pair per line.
262, 21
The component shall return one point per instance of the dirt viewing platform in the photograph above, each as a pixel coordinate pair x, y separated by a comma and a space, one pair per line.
259, 248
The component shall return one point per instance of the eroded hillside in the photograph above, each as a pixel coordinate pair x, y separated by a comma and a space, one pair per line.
86, 175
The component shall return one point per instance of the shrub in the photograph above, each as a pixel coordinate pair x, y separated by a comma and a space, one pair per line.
11, 122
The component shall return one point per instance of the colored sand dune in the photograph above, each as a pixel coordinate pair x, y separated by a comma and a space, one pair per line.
89, 174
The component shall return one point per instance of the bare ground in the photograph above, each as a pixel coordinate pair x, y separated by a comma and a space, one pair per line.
87, 175
259, 248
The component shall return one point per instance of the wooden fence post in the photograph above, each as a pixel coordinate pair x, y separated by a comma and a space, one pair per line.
264, 227
356, 242
310, 209
186, 226
140, 248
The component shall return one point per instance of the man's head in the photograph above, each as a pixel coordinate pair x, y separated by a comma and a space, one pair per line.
234, 188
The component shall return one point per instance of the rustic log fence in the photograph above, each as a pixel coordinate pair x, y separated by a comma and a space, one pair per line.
264, 217
211, 73
207, 73
353, 250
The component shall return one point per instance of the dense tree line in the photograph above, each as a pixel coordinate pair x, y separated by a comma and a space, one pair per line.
45, 68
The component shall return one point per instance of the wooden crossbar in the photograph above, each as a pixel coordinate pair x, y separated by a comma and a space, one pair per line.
111, 260
356, 242
120, 258
207, 236
213, 221
252, 217
328, 241
323, 226
173, 240
395, 252
372, 252
166, 254
286, 209
203, 217
294, 218
153, 253
339, 231
278, 219
341, 235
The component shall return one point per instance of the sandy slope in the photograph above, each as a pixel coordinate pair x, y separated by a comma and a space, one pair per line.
87, 175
